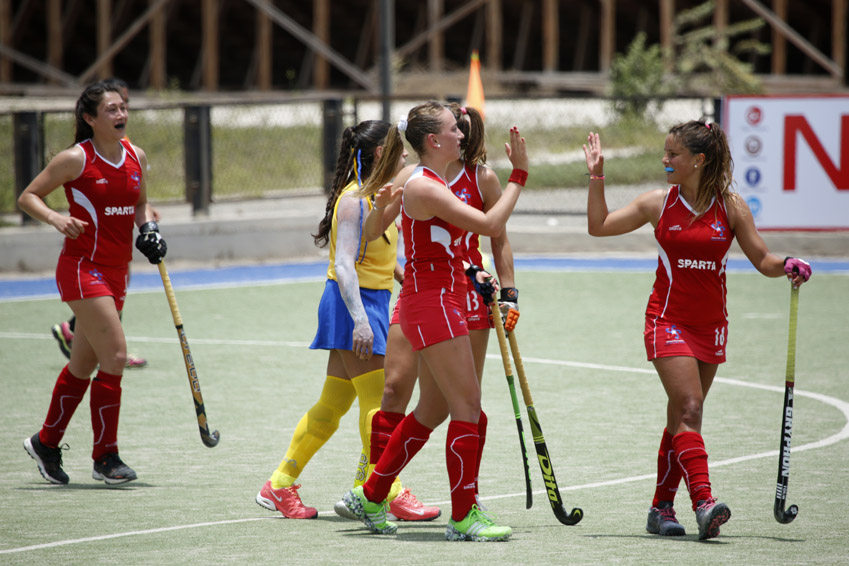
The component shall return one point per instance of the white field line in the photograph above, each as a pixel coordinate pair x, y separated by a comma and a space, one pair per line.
843, 434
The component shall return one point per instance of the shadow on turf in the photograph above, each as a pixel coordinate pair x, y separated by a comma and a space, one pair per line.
129, 486
694, 538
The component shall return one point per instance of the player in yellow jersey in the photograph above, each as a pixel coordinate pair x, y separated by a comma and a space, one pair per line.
353, 320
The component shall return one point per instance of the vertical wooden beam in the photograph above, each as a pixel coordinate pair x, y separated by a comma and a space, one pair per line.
607, 36
838, 33
5, 39
321, 29
551, 34
157, 36
104, 36
436, 45
209, 44
54, 36
720, 19
779, 43
667, 15
494, 35
263, 50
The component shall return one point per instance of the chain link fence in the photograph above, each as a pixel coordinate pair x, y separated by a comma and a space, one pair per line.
273, 149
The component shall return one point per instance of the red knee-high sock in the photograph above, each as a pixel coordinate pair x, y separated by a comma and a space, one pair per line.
668, 471
407, 439
383, 424
461, 451
67, 394
482, 422
105, 407
692, 457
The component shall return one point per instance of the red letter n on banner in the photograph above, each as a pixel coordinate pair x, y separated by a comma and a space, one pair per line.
794, 125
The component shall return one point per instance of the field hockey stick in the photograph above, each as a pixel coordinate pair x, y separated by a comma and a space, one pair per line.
545, 466
781, 515
508, 372
209, 439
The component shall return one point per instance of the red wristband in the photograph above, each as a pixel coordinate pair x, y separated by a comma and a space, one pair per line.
519, 177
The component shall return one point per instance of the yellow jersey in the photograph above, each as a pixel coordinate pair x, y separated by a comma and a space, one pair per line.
375, 262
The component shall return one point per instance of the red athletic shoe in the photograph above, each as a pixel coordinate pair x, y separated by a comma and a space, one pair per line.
406, 507
286, 500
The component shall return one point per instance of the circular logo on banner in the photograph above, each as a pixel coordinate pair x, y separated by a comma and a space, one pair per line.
753, 115
753, 176
753, 145
754, 205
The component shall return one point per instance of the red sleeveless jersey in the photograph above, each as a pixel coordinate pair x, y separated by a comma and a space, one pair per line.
465, 186
105, 195
433, 249
689, 285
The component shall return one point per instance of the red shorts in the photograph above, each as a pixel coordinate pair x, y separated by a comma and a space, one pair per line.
665, 339
477, 313
78, 278
430, 317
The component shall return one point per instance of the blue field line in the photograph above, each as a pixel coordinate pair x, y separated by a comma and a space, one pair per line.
245, 275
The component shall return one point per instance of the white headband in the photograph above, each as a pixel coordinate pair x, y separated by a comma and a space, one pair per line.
402, 124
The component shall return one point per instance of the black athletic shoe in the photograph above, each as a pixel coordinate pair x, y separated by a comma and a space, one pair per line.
662, 521
49, 460
112, 470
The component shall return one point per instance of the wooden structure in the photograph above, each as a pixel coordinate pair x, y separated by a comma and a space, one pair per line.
214, 45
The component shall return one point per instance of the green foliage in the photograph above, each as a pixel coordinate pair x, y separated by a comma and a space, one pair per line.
700, 63
637, 79
701, 59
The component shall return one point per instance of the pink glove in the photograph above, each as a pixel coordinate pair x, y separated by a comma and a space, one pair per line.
794, 266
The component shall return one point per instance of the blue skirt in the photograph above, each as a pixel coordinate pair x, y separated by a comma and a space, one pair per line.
336, 327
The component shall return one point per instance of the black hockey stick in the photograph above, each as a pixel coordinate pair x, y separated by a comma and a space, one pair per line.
781, 515
508, 372
545, 466
210, 439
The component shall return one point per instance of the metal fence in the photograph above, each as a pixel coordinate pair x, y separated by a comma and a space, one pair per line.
252, 150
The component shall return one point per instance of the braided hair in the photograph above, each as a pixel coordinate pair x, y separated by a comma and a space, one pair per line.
355, 161
708, 138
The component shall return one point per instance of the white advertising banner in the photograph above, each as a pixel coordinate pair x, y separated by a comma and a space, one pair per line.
791, 159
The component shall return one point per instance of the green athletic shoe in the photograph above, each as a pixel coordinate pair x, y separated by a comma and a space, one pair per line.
476, 526
372, 514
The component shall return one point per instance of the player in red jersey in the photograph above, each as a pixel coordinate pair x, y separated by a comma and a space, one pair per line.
434, 224
477, 186
64, 331
686, 328
104, 180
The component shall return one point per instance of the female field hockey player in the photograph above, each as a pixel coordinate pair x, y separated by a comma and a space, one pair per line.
64, 331
104, 180
686, 329
353, 317
478, 186
433, 319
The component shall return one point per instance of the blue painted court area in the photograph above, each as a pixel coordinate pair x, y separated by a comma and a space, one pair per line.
18, 289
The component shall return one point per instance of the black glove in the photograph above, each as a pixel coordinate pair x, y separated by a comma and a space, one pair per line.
150, 242
485, 289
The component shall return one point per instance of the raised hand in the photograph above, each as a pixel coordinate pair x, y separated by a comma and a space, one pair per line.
594, 155
517, 151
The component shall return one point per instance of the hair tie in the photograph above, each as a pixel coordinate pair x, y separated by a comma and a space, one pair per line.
402, 124
707, 126
463, 110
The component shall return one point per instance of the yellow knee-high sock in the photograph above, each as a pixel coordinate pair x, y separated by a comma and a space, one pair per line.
314, 429
369, 388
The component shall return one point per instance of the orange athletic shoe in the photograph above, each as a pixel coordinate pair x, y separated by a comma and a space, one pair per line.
286, 500
406, 507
